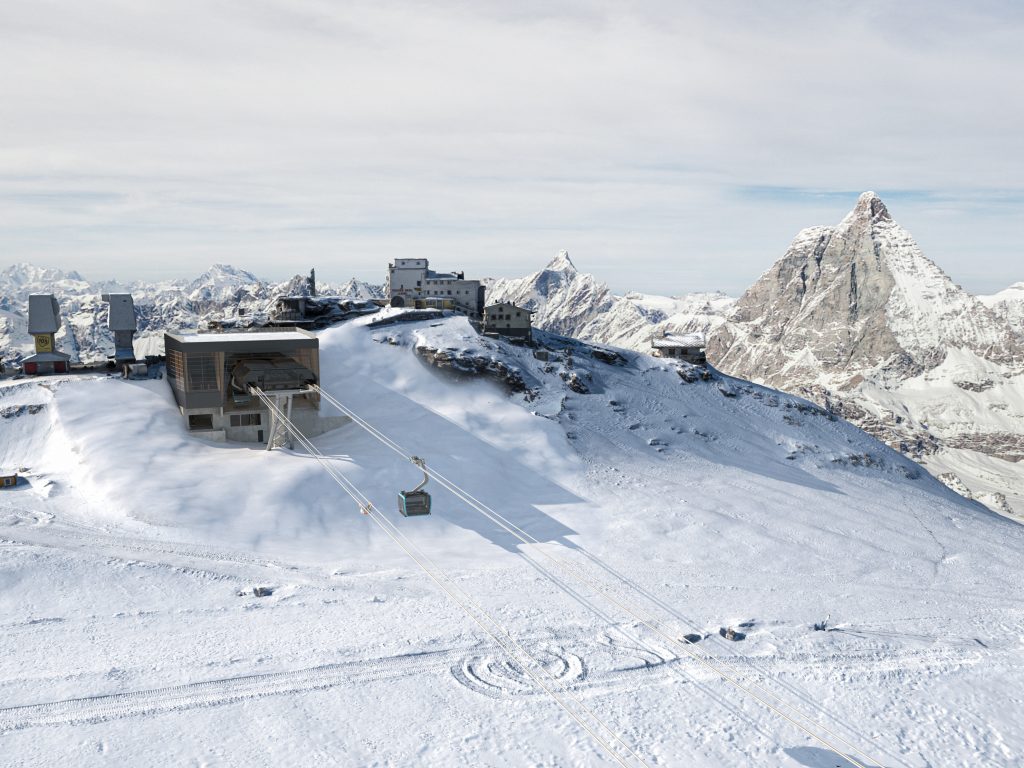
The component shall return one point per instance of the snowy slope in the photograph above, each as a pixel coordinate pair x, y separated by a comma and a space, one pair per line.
223, 294
718, 503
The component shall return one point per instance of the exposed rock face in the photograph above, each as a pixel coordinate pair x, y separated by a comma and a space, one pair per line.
462, 363
857, 318
857, 298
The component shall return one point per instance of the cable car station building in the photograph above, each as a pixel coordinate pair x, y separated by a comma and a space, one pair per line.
211, 374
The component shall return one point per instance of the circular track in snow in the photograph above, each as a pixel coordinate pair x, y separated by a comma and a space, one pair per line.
498, 676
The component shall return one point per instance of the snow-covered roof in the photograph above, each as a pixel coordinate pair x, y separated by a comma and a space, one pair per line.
671, 340
509, 304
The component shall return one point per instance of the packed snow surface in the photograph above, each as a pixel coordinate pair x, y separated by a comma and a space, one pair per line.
701, 501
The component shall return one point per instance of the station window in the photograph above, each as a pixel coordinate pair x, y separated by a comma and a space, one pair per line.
201, 369
199, 421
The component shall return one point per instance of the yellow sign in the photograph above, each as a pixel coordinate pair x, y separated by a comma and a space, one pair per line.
44, 342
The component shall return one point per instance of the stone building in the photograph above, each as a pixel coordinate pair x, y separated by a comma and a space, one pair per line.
688, 347
507, 319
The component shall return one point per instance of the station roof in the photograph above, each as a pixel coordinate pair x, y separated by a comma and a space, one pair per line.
258, 341
231, 338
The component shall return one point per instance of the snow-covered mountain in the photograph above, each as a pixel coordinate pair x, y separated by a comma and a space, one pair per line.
668, 504
577, 304
223, 294
858, 319
1008, 304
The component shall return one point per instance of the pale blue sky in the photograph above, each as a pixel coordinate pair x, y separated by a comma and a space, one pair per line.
670, 147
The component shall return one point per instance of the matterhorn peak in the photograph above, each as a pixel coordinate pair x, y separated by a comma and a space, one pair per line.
870, 206
561, 263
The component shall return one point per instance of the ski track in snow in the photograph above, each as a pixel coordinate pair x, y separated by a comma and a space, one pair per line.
480, 669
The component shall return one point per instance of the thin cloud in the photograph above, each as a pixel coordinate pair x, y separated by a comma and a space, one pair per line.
654, 140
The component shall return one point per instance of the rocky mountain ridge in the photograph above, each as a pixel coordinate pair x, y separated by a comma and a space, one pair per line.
857, 318
576, 304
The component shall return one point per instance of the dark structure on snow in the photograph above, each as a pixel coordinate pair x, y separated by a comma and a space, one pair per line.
211, 376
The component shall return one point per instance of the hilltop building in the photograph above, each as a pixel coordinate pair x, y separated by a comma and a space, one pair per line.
211, 374
410, 280
43, 324
688, 347
507, 319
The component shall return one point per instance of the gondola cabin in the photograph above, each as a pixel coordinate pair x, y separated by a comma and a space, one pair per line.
413, 503
417, 501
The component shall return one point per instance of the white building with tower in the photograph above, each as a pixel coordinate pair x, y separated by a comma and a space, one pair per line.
412, 280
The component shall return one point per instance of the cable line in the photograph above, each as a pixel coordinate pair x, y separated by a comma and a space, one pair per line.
512, 647
704, 659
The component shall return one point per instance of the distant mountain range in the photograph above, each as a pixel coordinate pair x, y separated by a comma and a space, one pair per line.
223, 294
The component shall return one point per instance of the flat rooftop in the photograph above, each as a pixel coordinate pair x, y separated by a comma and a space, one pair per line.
233, 338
